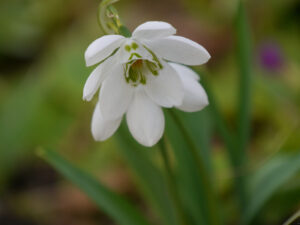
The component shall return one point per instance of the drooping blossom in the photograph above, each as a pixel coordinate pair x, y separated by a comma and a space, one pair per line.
137, 76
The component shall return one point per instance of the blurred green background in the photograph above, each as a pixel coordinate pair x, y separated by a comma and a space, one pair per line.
42, 73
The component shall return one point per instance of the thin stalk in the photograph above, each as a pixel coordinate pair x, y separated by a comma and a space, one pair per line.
109, 20
293, 218
171, 182
207, 185
244, 60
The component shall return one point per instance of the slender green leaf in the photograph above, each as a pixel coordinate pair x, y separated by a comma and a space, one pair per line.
172, 184
150, 178
219, 121
267, 180
114, 205
244, 62
243, 132
195, 186
200, 127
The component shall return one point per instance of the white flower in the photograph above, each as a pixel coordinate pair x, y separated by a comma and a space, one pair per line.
137, 77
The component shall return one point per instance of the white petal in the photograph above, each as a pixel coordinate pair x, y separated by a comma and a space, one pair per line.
102, 48
101, 128
138, 53
145, 120
195, 97
115, 94
96, 77
166, 89
184, 70
179, 49
153, 29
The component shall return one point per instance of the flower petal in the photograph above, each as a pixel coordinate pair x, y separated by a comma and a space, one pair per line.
115, 94
179, 49
102, 129
153, 29
195, 97
102, 48
96, 77
145, 119
166, 89
139, 52
184, 70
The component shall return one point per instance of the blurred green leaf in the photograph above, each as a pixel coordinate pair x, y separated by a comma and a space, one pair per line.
171, 181
114, 205
149, 176
194, 184
27, 120
268, 179
218, 120
38, 109
244, 63
200, 126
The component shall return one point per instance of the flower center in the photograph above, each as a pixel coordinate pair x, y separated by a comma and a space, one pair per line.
138, 70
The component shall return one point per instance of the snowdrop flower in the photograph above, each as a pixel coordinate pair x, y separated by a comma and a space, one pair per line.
138, 76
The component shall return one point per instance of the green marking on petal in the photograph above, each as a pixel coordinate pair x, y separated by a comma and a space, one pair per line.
136, 71
134, 54
127, 48
134, 45
154, 57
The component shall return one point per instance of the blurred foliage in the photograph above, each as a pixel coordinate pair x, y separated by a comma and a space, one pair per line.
42, 73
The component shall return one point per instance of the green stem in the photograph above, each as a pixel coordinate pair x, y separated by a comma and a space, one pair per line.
171, 182
244, 59
109, 20
231, 146
207, 185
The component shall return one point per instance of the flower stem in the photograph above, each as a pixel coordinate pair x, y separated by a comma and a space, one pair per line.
207, 185
171, 182
244, 60
109, 20
232, 149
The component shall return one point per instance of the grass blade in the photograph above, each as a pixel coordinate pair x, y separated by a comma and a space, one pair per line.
193, 177
268, 179
200, 127
172, 184
244, 62
114, 205
150, 178
219, 121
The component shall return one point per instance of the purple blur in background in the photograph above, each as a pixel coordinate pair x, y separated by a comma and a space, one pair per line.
271, 56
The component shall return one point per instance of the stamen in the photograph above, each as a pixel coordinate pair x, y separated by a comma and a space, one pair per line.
143, 79
137, 70
152, 67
